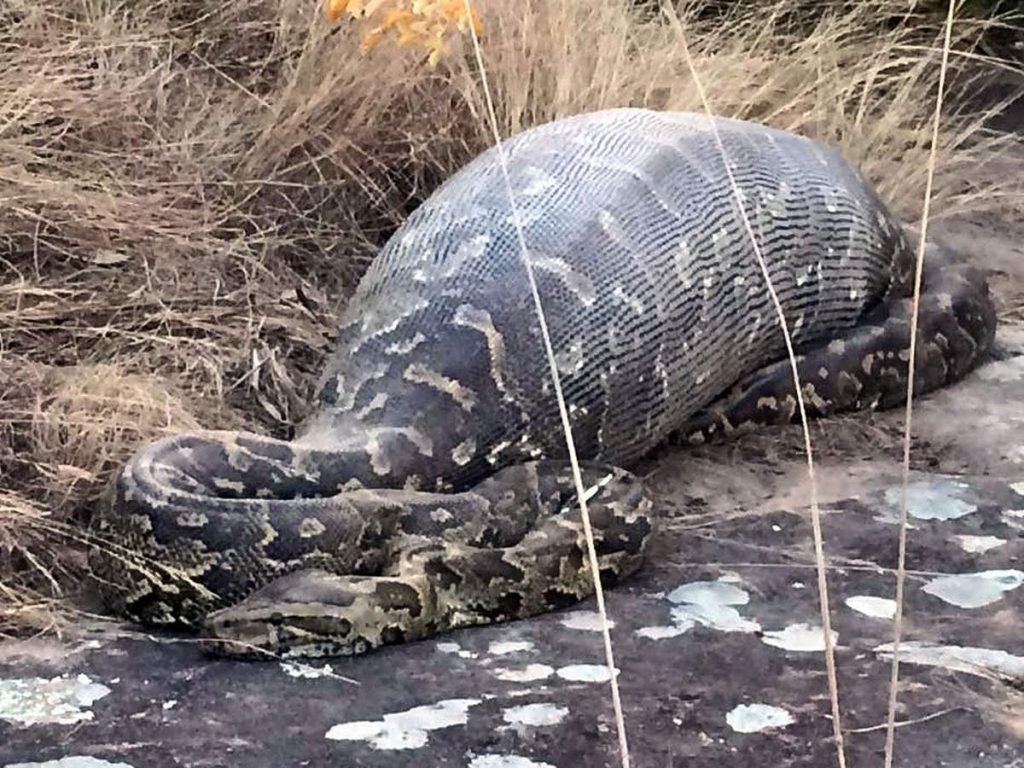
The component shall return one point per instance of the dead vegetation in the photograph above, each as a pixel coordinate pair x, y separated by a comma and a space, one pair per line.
190, 189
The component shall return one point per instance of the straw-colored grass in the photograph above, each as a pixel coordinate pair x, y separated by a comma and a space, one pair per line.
189, 189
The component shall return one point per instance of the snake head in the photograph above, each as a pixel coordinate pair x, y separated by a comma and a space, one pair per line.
313, 613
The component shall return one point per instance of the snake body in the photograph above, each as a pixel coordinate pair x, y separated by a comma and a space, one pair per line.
430, 489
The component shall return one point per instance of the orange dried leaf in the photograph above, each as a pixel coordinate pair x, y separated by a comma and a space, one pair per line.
335, 9
373, 37
415, 23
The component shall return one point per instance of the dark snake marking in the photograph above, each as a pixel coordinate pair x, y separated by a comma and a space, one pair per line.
430, 489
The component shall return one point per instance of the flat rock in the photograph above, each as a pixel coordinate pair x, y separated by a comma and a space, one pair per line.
718, 644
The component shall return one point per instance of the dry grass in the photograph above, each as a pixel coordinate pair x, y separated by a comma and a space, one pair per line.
189, 188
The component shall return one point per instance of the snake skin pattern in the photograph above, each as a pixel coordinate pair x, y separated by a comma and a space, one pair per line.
430, 489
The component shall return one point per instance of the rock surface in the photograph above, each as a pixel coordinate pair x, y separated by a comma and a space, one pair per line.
718, 642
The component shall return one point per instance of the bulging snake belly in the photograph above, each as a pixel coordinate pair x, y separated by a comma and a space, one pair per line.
430, 489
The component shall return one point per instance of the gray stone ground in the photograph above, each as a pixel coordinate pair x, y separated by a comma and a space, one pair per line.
718, 644
718, 641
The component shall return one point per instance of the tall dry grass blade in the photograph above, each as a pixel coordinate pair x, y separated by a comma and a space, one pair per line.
901, 562
819, 553
581, 491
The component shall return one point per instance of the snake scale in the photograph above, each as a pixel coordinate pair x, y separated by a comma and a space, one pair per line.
430, 488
